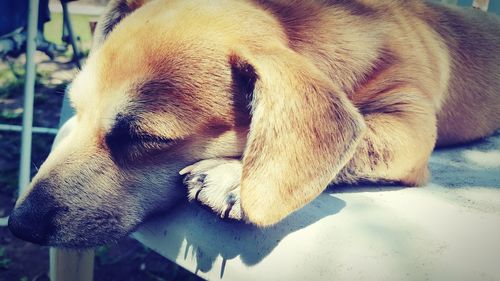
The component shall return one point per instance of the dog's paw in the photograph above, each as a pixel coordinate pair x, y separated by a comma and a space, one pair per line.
216, 184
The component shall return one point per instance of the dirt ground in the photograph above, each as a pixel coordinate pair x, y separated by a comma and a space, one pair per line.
22, 261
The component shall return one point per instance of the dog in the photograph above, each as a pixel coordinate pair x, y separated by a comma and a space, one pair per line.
260, 104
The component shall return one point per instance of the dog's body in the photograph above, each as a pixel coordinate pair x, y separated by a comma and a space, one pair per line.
338, 91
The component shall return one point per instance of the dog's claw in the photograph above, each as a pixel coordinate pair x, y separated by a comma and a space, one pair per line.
197, 194
230, 201
233, 207
195, 182
216, 183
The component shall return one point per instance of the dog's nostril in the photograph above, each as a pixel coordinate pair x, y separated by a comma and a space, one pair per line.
27, 229
32, 220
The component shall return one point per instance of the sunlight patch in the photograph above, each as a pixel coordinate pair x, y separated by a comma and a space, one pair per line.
489, 159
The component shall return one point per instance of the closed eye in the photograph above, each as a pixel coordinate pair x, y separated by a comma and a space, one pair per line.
150, 138
126, 149
145, 142
127, 144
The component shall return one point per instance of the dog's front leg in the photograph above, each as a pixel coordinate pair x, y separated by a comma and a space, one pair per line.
400, 136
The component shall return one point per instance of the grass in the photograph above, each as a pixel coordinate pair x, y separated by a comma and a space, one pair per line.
80, 23
47, 100
11, 83
4, 260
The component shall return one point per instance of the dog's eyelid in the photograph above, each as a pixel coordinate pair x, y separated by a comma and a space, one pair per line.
149, 138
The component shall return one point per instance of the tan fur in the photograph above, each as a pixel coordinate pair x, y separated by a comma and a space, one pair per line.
345, 91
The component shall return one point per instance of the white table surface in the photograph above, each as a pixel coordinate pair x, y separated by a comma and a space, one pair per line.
448, 230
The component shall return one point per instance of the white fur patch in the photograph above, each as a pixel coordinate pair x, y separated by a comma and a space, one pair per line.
216, 183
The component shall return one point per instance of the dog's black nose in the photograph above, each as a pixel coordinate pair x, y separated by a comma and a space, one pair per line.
32, 219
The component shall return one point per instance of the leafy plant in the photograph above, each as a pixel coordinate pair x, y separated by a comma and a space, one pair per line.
4, 260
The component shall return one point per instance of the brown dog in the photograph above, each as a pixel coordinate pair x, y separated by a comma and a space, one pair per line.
307, 93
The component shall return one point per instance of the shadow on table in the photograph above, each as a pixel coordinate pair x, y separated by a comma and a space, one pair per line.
210, 237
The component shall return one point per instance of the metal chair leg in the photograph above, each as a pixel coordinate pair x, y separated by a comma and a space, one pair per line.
29, 96
71, 35
71, 265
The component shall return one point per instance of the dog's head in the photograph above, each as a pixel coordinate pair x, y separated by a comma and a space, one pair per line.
169, 83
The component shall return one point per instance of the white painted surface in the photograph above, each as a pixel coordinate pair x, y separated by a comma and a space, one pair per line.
449, 230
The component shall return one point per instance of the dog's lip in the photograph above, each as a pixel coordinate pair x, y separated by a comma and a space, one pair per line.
78, 245
87, 243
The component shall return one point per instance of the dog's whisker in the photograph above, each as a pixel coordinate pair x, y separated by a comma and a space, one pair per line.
35, 166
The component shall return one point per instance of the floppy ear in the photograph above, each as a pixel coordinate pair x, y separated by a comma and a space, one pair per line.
303, 131
115, 12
